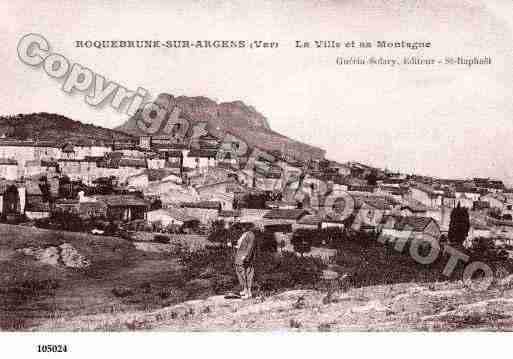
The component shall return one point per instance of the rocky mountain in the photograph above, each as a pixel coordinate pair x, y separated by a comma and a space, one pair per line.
53, 127
235, 117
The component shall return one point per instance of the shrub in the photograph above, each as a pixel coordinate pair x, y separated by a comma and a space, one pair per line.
219, 236
122, 292
159, 238
266, 241
273, 272
302, 242
330, 237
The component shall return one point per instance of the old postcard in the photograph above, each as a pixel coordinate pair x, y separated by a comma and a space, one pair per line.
243, 166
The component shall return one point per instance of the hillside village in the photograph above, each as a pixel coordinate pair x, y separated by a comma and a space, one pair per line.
155, 184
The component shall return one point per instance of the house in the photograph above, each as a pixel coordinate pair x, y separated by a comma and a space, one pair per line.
225, 185
369, 211
205, 211
12, 198
156, 162
227, 158
392, 182
124, 145
361, 188
496, 201
175, 219
500, 202
267, 178
70, 206
171, 193
331, 220
208, 141
472, 194
426, 195
477, 231
338, 185
291, 204
465, 201
132, 162
339, 168
490, 185
23, 151
92, 148
8, 168
200, 158
173, 159
138, 181
124, 207
397, 193
46, 151
34, 197
284, 216
309, 221
39, 168
163, 175
38, 211
407, 228
145, 142
252, 215
414, 209
172, 152
222, 191
68, 151
92, 209
230, 216
501, 229
6, 131
291, 169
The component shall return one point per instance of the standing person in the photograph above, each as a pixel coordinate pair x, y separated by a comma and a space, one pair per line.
245, 259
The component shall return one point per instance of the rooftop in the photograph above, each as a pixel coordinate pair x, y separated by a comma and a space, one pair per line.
8, 161
202, 153
176, 213
401, 223
122, 201
290, 214
202, 204
311, 219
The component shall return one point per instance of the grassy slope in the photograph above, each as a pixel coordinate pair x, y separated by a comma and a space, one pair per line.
31, 291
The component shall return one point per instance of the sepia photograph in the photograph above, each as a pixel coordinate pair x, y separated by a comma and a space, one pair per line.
253, 167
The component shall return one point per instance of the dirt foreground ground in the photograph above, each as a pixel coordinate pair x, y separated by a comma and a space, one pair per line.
436, 307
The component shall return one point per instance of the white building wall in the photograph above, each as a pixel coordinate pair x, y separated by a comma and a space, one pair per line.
9, 172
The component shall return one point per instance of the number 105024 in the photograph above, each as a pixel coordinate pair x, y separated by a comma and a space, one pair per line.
52, 348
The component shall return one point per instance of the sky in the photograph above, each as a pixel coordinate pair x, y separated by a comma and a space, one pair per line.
447, 121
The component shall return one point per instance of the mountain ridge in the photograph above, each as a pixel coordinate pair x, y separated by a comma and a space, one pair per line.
235, 117
43, 126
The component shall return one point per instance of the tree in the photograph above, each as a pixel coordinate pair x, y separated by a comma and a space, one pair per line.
302, 241
459, 224
372, 178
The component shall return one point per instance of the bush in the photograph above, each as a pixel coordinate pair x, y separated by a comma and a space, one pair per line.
266, 241
121, 292
273, 273
330, 237
64, 221
219, 236
159, 238
484, 249
302, 241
